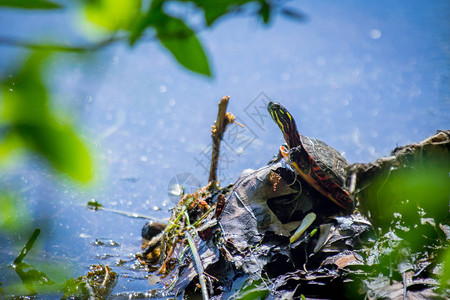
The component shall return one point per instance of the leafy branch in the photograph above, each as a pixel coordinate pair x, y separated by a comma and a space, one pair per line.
132, 21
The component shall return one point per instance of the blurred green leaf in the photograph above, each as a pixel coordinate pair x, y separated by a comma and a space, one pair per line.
179, 39
138, 29
61, 146
153, 18
214, 9
13, 217
182, 42
425, 187
45, 277
445, 278
30, 4
176, 36
30, 277
8, 146
418, 191
25, 99
25, 106
265, 12
113, 15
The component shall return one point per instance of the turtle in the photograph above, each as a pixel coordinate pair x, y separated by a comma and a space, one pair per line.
320, 165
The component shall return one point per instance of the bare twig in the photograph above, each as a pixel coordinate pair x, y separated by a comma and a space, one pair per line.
9, 41
217, 134
223, 119
125, 213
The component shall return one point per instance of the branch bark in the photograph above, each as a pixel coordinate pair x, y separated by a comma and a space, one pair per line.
223, 119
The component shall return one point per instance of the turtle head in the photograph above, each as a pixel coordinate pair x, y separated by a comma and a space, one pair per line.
286, 122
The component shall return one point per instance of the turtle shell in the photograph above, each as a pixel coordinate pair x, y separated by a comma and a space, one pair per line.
326, 157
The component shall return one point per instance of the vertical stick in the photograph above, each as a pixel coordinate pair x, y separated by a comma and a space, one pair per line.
217, 133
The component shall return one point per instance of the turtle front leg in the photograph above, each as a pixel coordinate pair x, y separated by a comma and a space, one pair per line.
276, 158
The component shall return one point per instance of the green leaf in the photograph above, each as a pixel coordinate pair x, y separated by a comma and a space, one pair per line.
138, 29
25, 107
25, 97
152, 18
214, 10
13, 215
445, 278
182, 42
61, 146
112, 15
265, 12
8, 147
30, 4
253, 290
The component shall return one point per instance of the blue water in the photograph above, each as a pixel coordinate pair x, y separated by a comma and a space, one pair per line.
363, 77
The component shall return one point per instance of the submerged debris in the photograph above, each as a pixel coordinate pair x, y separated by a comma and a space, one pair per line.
96, 284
